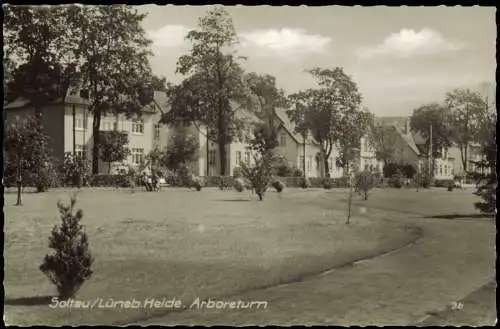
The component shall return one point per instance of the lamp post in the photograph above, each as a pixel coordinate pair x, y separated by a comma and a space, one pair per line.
352, 173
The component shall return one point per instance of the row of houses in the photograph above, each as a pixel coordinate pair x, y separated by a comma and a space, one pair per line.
68, 123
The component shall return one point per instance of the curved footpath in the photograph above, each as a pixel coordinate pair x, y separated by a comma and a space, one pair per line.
408, 286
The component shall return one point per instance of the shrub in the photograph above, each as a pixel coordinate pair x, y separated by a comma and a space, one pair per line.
305, 182
365, 182
41, 179
443, 182
258, 174
114, 180
328, 183
239, 184
237, 172
196, 182
75, 170
278, 185
70, 265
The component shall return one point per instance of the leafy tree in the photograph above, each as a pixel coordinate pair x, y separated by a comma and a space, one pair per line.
39, 39
353, 126
75, 169
70, 266
182, 149
214, 82
384, 139
113, 147
259, 173
487, 178
112, 53
365, 181
437, 117
26, 149
319, 111
467, 109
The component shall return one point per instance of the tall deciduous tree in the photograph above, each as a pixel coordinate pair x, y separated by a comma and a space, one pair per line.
214, 81
384, 139
320, 111
467, 109
39, 40
112, 53
267, 96
438, 117
114, 147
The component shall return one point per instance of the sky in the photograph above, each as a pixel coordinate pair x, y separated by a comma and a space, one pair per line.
400, 57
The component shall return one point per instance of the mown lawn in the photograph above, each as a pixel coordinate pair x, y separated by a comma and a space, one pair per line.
182, 244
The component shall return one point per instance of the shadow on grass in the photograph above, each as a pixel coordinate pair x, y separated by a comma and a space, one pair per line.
461, 216
29, 301
235, 200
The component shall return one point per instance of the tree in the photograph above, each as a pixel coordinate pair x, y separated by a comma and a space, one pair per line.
41, 42
25, 149
182, 149
267, 97
321, 110
113, 55
487, 179
214, 81
259, 173
365, 181
467, 108
436, 118
384, 139
70, 265
353, 125
113, 147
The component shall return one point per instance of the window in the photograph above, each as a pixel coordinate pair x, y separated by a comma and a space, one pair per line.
80, 123
365, 145
138, 127
79, 150
137, 155
283, 139
371, 167
309, 163
366, 166
247, 157
440, 170
115, 126
301, 162
157, 131
446, 169
211, 157
238, 157
331, 164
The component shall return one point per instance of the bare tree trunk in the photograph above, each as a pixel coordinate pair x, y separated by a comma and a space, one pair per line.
222, 157
96, 134
19, 182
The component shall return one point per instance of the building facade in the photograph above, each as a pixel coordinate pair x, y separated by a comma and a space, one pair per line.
68, 124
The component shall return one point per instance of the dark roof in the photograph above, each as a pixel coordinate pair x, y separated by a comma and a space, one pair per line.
290, 126
73, 97
400, 124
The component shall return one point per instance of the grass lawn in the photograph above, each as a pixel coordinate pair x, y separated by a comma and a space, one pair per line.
182, 244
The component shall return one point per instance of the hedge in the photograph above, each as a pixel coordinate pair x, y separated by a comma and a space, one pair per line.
443, 182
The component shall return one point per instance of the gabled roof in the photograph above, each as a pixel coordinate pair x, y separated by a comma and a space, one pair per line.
289, 126
399, 123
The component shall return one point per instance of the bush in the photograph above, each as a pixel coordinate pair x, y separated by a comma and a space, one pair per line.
75, 170
70, 265
239, 184
305, 182
110, 180
196, 182
396, 180
443, 182
278, 185
41, 179
237, 172
328, 183
365, 181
